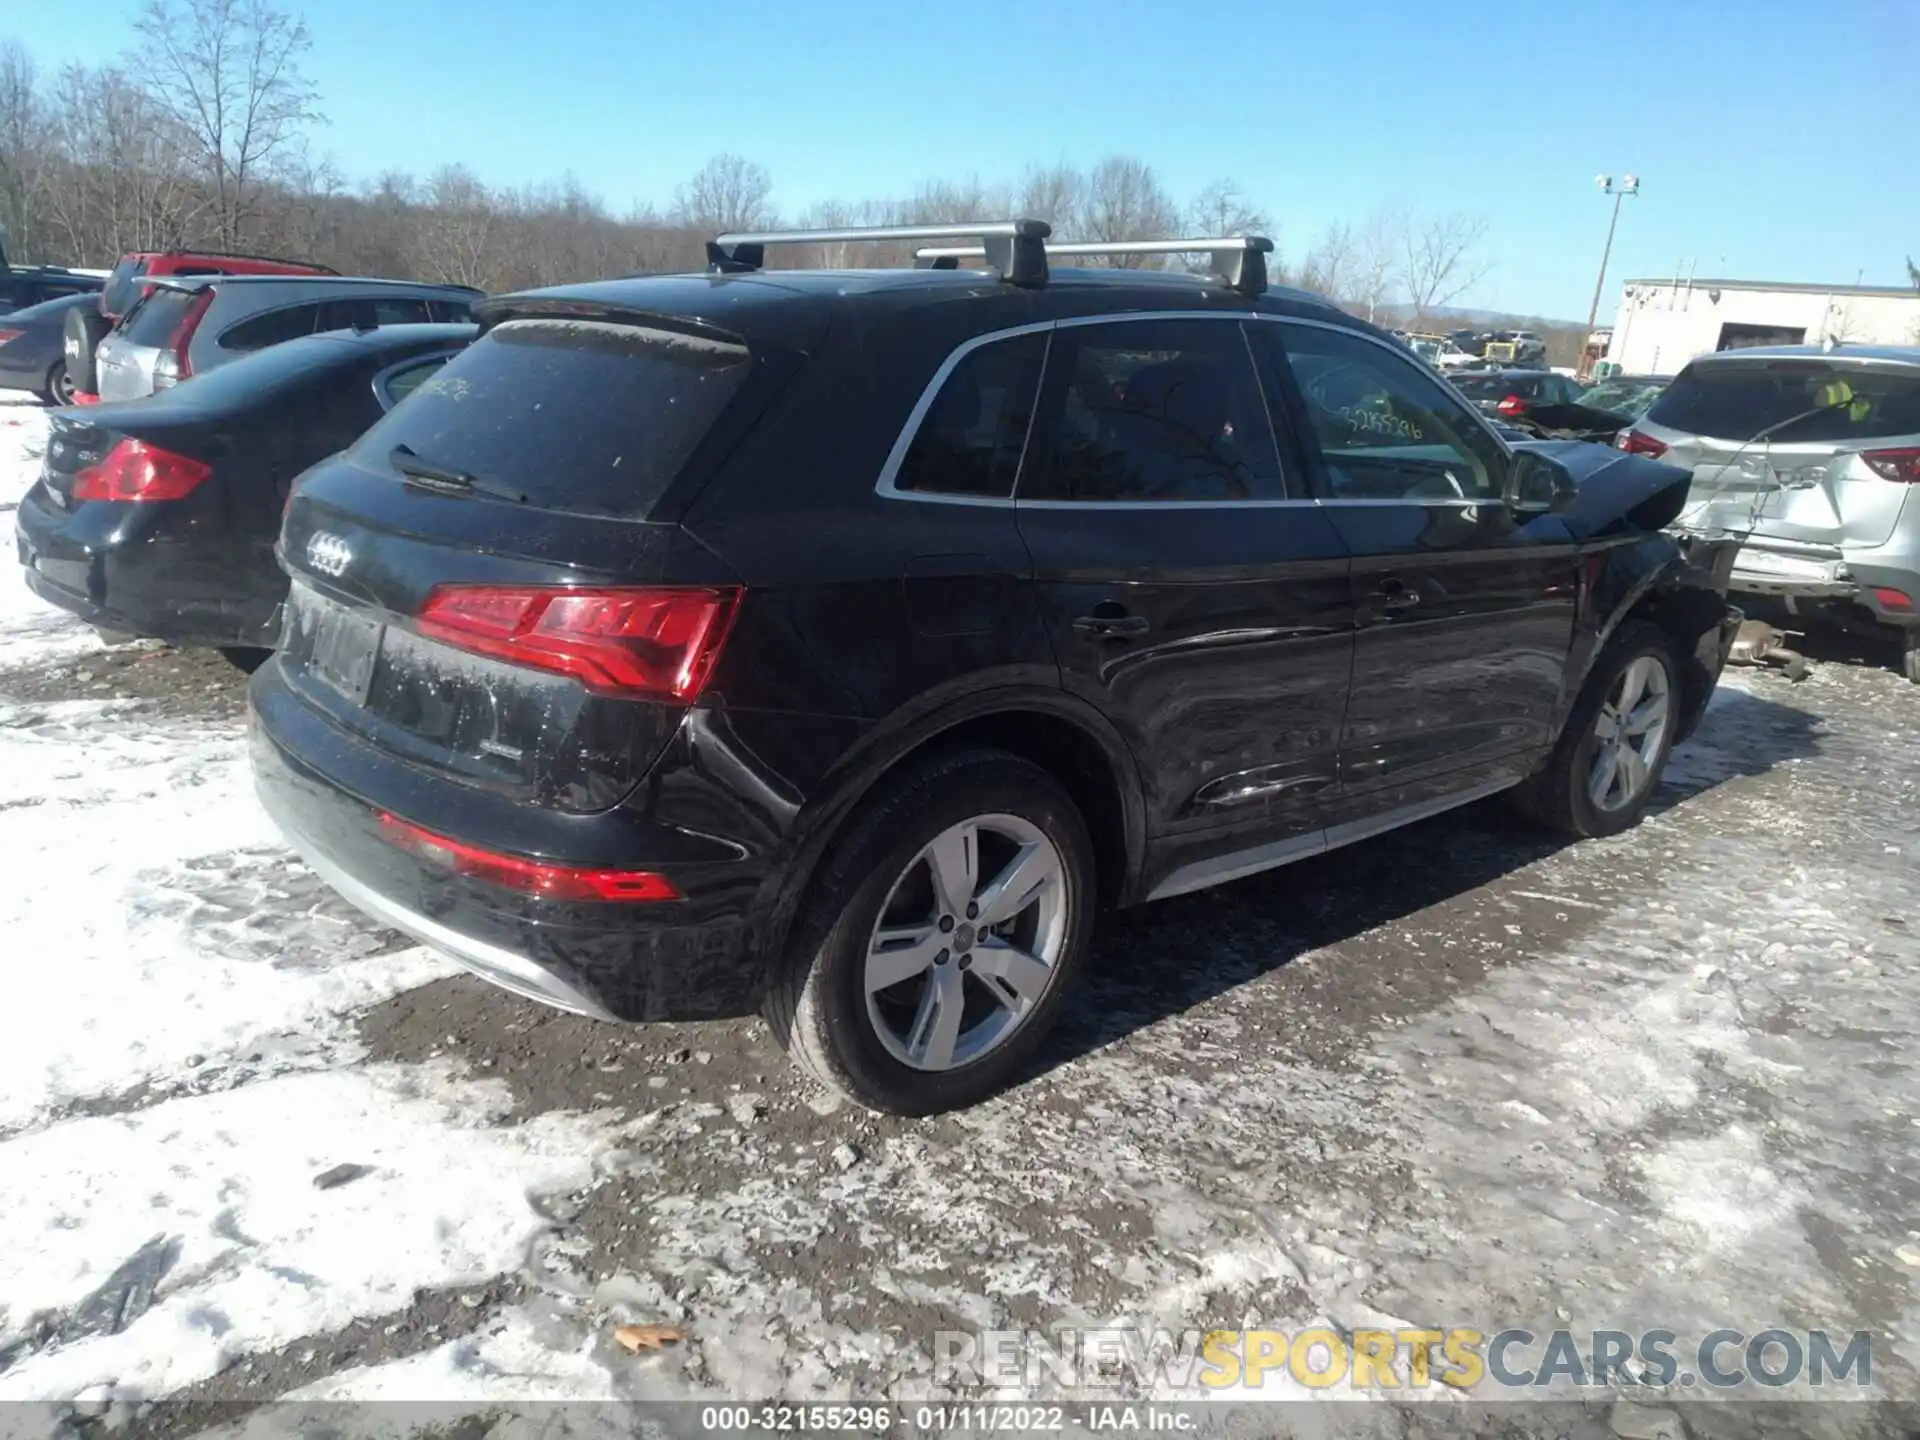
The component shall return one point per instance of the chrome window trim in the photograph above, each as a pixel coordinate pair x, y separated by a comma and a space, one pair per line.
381, 377
887, 488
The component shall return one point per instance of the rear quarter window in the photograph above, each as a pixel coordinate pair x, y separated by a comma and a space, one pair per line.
583, 415
1738, 401
121, 288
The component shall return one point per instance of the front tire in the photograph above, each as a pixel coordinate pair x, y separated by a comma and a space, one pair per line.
1603, 773
942, 936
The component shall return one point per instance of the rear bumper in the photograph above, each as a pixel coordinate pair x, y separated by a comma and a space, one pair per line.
671, 960
181, 590
1806, 572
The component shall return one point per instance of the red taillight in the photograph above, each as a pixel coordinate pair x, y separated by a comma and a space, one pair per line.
85, 397
1892, 599
615, 641
1634, 443
137, 471
8, 336
1512, 405
1894, 464
535, 877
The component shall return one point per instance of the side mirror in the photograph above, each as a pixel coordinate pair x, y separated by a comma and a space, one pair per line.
1537, 485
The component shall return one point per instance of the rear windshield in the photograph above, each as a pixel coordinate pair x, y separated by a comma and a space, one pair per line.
1737, 401
582, 415
154, 319
1622, 397
121, 290
1497, 387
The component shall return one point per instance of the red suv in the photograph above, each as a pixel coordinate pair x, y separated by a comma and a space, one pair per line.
86, 326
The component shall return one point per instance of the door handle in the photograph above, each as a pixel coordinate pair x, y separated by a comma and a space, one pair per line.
1396, 595
1106, 627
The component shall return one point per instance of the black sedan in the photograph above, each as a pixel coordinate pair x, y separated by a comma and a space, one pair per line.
32, 356
158, 517
1545, 405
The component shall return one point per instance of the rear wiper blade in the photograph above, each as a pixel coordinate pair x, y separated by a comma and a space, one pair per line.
428, 475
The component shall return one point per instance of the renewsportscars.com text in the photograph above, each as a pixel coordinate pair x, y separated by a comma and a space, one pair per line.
1462, 1358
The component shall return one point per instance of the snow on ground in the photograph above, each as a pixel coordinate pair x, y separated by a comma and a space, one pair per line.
253, 1147
30, 632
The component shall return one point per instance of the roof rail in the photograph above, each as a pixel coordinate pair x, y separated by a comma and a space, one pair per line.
1013, 247
1238, 260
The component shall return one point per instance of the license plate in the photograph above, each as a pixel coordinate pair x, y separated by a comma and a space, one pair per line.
346, 647
1766, 562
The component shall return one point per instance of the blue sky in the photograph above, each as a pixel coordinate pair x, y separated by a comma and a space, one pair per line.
1774, 138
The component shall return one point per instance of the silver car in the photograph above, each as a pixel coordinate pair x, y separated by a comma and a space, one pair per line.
187, 326
1816, 451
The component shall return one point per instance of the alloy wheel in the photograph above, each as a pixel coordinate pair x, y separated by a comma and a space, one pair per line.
968, 942
1631, 729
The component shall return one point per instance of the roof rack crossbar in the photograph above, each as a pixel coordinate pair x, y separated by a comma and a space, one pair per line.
1015, 248
1240, 261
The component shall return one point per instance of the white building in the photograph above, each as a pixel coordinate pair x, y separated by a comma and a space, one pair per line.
1662, 324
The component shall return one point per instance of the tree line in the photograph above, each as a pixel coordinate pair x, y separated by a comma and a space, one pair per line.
202, 133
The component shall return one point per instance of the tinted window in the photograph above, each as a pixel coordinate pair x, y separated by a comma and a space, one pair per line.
48, 309
1386, 429
154, 319
402, 383
1156, 410
121, 290
457, 312
366, 312
271, 328
1738, 401
970, 439
579, 415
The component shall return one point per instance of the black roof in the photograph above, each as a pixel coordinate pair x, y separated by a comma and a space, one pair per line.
791, 306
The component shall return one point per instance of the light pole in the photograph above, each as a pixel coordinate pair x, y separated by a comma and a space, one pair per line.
1629, 185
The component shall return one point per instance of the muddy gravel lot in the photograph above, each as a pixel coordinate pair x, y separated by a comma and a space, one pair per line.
253, 1147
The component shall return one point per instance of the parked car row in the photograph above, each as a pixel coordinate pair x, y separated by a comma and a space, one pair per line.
838, 644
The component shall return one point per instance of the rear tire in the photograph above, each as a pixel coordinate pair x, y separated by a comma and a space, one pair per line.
59, 388
1607, 765
910, 890
245, 658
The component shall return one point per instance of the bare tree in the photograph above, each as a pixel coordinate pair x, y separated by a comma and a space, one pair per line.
1439, 261
1223, 208
453, 237
1123, 200
116, 182
1051, 193
228, 73
1328, 266
729, 193
22, 154
1374, 276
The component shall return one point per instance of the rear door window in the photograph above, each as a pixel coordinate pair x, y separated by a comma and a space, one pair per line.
457, 312
271, 328
154, 319
1738, 401
1155, 411
583, 415
365, 312
970, 439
